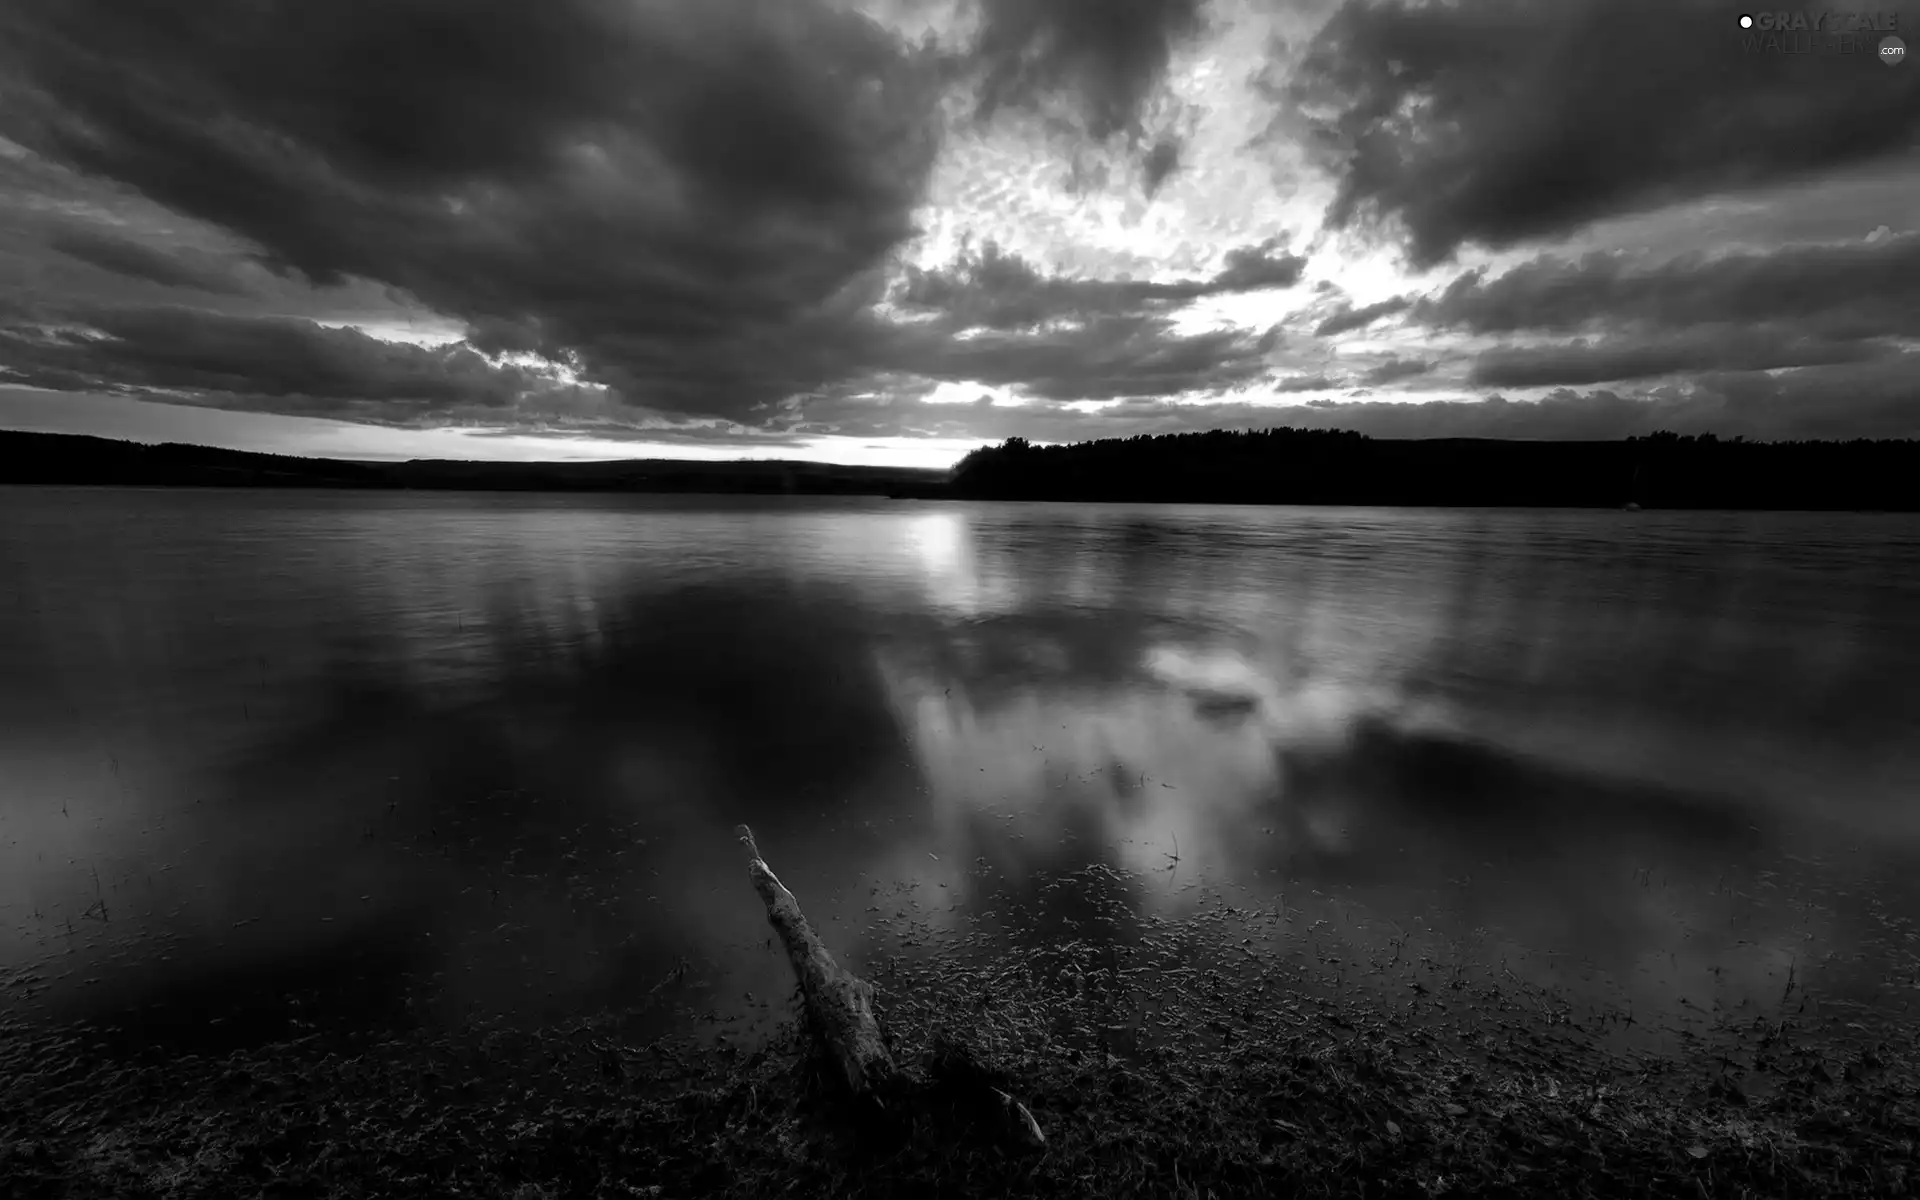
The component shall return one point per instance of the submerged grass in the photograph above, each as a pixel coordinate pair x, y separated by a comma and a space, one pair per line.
1163, 1058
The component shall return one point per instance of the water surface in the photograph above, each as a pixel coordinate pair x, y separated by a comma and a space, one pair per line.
270, 760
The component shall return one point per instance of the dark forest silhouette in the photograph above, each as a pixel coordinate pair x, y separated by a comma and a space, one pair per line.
1273, 466
1302, 466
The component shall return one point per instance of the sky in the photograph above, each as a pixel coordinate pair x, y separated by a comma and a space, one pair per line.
888, 231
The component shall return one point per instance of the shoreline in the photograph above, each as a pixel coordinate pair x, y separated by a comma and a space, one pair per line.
1173, 1059
1272, 467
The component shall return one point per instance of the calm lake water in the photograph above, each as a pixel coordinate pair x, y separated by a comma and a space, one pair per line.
273, 760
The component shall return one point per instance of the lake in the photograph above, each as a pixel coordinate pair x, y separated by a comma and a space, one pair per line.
271, 761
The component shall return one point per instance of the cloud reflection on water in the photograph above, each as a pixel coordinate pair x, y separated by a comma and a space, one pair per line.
522, 729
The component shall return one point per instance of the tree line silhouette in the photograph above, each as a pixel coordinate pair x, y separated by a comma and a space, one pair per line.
1310, 466
1270, 466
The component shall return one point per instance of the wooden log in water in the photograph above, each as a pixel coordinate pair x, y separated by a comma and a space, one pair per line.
840, 1009
839, 1003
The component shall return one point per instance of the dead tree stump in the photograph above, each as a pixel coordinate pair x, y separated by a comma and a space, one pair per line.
839, 1008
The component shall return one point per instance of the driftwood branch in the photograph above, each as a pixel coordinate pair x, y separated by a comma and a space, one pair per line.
839, 1003
839, 1008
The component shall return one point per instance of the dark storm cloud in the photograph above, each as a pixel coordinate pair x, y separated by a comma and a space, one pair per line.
1159, 164
690, 198
1708, 348
1105, 357
136, 260
997, 290
1102, 57
1349, 319
1396, 368
1497, 121
1305, 383
1600, 415
1251, 268
994, 318
1043, 420
1880, 398
1875, 399
264, 362
1857, 289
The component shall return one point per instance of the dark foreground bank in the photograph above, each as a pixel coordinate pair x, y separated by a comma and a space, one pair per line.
1188, 1059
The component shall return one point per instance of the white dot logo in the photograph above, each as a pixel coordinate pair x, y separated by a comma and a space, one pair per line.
1746, 22
1893, 51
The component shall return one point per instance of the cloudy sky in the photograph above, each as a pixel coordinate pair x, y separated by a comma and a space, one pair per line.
890, 230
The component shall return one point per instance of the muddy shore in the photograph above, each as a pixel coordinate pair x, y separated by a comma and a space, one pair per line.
1179, 1058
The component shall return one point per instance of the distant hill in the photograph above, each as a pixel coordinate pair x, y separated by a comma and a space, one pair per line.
1274, 466
52, 458
1300, 466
